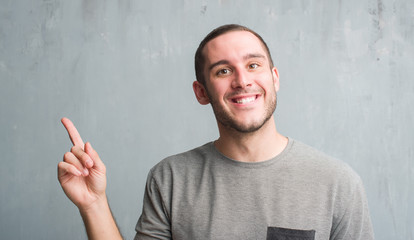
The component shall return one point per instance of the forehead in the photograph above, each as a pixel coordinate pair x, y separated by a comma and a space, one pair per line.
232, 45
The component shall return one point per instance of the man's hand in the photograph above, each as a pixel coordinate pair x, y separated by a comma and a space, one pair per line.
82, 174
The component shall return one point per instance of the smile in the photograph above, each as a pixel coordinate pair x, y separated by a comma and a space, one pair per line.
244, 100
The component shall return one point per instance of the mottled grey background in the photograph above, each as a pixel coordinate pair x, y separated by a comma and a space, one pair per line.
122, 71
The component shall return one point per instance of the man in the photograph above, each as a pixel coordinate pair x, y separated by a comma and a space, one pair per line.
251, 183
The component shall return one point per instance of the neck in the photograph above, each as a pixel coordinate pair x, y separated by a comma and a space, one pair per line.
261, 145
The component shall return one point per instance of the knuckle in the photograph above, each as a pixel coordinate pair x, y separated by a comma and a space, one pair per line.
84, 157
67, 155
60, 165
73, 149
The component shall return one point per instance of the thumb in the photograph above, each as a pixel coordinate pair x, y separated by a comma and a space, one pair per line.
97, 162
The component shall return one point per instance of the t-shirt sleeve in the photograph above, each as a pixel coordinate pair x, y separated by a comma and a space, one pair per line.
154, 222
355, 223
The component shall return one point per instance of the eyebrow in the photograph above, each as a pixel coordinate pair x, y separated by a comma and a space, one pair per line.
246, 57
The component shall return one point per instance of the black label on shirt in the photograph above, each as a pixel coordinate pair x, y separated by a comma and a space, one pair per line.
276, 233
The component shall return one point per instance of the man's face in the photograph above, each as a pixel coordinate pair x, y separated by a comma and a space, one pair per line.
240, 84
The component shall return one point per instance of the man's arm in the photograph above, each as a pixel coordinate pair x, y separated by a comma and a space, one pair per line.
154, 222
355, 223
82, 176
99, 222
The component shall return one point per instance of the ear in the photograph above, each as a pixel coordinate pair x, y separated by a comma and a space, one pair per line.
275, 75
200, 93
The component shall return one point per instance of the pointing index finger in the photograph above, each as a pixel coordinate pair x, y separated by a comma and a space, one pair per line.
73, 132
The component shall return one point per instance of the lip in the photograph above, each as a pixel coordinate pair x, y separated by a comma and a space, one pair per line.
245, 99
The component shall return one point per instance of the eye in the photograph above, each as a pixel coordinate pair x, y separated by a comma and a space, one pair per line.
223, 72
253, 66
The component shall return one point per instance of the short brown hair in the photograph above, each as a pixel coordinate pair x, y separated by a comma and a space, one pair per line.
199, 59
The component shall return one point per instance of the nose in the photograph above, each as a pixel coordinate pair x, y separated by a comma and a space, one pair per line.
241, 79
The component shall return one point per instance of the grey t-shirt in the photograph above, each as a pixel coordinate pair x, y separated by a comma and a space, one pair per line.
299, 194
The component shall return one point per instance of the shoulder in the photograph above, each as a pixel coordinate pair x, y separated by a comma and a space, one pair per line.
181, 163
322, 166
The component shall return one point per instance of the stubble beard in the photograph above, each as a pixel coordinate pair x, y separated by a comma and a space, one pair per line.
224, 118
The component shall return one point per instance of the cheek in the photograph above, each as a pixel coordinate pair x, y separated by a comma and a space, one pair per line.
217, 89
266, 82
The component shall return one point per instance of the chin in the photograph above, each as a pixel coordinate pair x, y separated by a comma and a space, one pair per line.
246, 128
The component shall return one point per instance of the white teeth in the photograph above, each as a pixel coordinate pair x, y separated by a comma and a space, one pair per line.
245, 100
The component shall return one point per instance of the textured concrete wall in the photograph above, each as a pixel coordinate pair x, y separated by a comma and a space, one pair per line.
122, 71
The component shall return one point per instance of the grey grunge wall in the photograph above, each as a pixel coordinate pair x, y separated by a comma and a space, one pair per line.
122, 72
